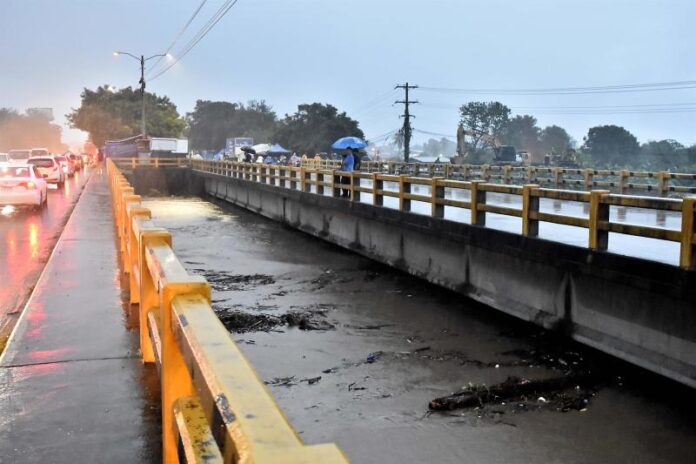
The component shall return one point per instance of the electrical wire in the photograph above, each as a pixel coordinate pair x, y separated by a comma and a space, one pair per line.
219, 14
657, 86
178, 36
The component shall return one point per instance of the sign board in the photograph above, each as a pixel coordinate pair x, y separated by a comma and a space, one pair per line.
237, 142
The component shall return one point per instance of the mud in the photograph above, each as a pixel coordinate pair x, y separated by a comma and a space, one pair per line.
397, 343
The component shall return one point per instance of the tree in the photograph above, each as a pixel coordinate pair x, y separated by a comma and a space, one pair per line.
435, 147
27, 131
663, 154
212, 122
109, 115
611, 145
523, 133
555, 139
314, 127
486, 118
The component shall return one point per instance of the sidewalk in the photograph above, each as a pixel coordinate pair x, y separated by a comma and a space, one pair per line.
72, 386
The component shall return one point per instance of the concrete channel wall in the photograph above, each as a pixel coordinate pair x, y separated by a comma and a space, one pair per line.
641, 311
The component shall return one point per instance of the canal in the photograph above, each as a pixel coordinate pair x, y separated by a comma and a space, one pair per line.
354, 351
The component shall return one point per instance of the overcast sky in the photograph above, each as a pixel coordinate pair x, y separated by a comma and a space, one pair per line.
352, 53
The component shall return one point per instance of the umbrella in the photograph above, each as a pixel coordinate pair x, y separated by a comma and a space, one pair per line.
249, 150
349, 142
275, 148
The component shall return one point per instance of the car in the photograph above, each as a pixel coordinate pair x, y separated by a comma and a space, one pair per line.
19, 155
22, 184
50, 169
39, 152
66, 164
77, 160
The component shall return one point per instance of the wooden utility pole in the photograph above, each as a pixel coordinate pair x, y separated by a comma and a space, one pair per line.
407, 118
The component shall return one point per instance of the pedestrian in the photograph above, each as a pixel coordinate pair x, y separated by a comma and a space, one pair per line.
356, 159
294, 160
346, 166
268, 159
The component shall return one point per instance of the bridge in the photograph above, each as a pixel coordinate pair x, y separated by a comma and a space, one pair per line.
614, 272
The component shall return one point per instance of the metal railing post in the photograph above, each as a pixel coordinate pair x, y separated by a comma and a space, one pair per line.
377, 187
687, 255
530, 205
404, 188
437, 193
478, 197
599, 212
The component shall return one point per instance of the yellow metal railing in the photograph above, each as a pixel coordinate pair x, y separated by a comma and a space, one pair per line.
622, 181
215, 409
321, 181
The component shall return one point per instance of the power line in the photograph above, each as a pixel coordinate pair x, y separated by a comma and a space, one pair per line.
178, 36
657, 86
221, 12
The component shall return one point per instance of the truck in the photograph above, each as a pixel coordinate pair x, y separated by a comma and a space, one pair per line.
143, 147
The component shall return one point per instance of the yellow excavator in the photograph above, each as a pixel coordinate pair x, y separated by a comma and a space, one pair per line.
502, 154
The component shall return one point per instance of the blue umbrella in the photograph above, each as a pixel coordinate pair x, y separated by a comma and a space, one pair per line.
349, 142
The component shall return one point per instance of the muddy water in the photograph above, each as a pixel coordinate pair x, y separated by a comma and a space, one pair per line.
354, 352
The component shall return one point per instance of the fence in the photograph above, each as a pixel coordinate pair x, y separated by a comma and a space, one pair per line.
623, 180
597, 222
215, 409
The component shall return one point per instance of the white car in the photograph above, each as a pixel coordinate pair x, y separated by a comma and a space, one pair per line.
21, 184
66, 164
50, 169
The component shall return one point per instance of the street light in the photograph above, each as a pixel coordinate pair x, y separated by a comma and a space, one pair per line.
142, 61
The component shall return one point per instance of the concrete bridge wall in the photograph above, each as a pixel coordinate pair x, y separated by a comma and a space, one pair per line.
641, 311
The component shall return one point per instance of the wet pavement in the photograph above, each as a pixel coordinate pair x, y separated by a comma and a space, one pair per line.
354, 352
72, 384
27, 238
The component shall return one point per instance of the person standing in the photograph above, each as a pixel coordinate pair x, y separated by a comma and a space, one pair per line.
347, 166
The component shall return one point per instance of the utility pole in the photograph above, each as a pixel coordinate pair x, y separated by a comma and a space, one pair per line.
142, 91
407, 118
142, 60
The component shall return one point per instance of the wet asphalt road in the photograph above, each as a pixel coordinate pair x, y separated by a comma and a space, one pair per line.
27, 238
425, 342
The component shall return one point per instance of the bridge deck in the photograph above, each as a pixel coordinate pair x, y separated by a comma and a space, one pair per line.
72, 385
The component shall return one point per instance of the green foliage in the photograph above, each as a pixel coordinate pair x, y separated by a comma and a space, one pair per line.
314, 127
483, 117
523, 133
555, 140
435, 147
611, 146
28, 131
108, 115
212, 122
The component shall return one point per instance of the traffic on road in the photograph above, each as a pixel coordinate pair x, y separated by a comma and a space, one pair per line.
37, 194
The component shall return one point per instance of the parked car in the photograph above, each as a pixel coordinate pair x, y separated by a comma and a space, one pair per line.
50, 169
20, 155
66, 164
21, 184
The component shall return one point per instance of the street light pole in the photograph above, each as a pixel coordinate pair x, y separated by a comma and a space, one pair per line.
142, 61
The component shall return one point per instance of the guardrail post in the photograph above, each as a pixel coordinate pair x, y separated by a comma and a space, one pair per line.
404, 188
588, 175
391, 167
599, 212
175, 379
134, 252
507, 177
306, 180
149, 293
437, 193
478, 197
282, 172
335, 180
293, 179
132, 163
485, 172
320, 182
557, 177
466, 171
623, 181
530, 205
687, 256
377, 186
354, 183
663, 182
